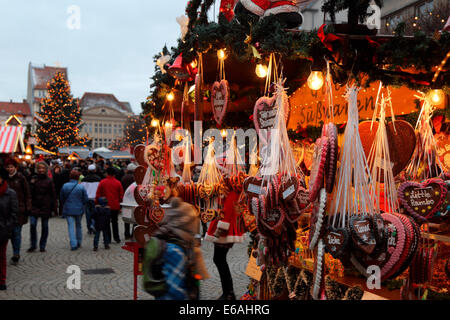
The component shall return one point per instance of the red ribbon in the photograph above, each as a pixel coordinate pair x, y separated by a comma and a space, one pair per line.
327, 39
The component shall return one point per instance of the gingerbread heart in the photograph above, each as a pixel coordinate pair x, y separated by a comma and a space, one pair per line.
252, 186
156, 214
316, 180
139, 174
141, 216
141, 193
143, 234
220, 93
317, 225
273, 217
289, 187
362, 233
422, 200
401, 139
208, 215
264, 115
330, 131
443, 214
198, 111
154, 157
336, 241
139, 152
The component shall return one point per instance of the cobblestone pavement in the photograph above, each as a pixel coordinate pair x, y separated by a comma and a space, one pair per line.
42, 276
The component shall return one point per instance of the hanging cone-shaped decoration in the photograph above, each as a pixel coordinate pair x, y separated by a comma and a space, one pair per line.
182, 71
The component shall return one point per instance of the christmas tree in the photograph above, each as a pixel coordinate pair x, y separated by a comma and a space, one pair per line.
60, 117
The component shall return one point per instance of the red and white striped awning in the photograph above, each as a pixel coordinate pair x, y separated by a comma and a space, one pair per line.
11, 137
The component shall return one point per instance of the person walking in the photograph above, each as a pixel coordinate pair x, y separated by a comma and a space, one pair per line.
58, 181
180, 230
9, 210
90, 182
112, 190
19, 184
43, 204
74, 199
101, 218
126, 181
224, 233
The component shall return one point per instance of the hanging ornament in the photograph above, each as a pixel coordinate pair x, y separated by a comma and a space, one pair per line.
162, 61
220, 91
227, 8
181, 71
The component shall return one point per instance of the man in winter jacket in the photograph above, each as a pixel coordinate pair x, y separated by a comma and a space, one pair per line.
43, 203
90, 182
74, 199
8, 219
112, 190
19, 184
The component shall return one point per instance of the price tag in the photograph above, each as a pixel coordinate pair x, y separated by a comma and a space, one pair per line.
288, 191
254, 189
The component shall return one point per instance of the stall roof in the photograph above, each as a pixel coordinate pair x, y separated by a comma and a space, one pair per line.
11, 137
114, 155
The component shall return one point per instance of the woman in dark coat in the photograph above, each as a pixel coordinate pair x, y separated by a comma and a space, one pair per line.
8, 219
19, 184
43, 204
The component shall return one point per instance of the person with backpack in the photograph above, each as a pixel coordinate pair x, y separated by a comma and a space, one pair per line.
101, 217
19, 184
178, 235
74, 199
9, 209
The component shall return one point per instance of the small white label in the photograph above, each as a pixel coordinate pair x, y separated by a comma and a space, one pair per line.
288, 191
254, 189
146, 237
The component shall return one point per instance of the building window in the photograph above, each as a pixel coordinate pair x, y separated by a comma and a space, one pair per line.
96, 128
110, 128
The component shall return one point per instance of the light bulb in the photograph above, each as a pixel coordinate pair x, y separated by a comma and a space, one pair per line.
168, 124
170, 96
223, 133
194, 64
315, 80
221, 54
154, 123
435, 97
261, 71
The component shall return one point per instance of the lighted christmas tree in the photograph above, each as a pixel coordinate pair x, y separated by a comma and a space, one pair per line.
60, 117
134, 133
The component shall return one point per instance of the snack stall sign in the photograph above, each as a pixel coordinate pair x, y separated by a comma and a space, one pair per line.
309, 107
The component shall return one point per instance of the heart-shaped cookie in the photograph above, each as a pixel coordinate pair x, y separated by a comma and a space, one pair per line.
264, 115
362, 233
396, 244
289, 187
252, 187
220, 93
401, 139
139, 174
139, 152
156, 214
422, 200
336, 241
141, 193
317, 225
443, 214
141, 216
273, 217
330, 131
208, 215
154, 157
143, 234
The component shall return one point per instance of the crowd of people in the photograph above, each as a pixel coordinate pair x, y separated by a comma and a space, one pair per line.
72, 189
38, 191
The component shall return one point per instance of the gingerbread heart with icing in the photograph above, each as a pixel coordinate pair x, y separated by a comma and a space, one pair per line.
156, 214
208, 215
422, 200
362, 233
336, 241
220, 93
273, 217
141, 216
139, 174
264, 116
139, 152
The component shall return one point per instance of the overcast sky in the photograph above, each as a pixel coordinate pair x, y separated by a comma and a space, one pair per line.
112, 52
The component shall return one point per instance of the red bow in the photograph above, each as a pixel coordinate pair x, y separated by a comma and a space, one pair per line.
327, 39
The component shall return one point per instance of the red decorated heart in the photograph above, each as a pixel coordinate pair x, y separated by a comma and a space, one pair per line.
317, 221
220, 92
401, 140
264, 116
207, 216
156, 214
252, 186
272, 217
330, 131
154, 157
422, 200
288, 188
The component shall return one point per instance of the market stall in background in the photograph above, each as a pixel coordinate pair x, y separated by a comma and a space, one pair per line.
349, 199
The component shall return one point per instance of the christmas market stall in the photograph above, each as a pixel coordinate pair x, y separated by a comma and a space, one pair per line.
332, 146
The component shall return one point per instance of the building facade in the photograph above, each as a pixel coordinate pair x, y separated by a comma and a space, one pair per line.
38, 77
17, 113
104, 118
